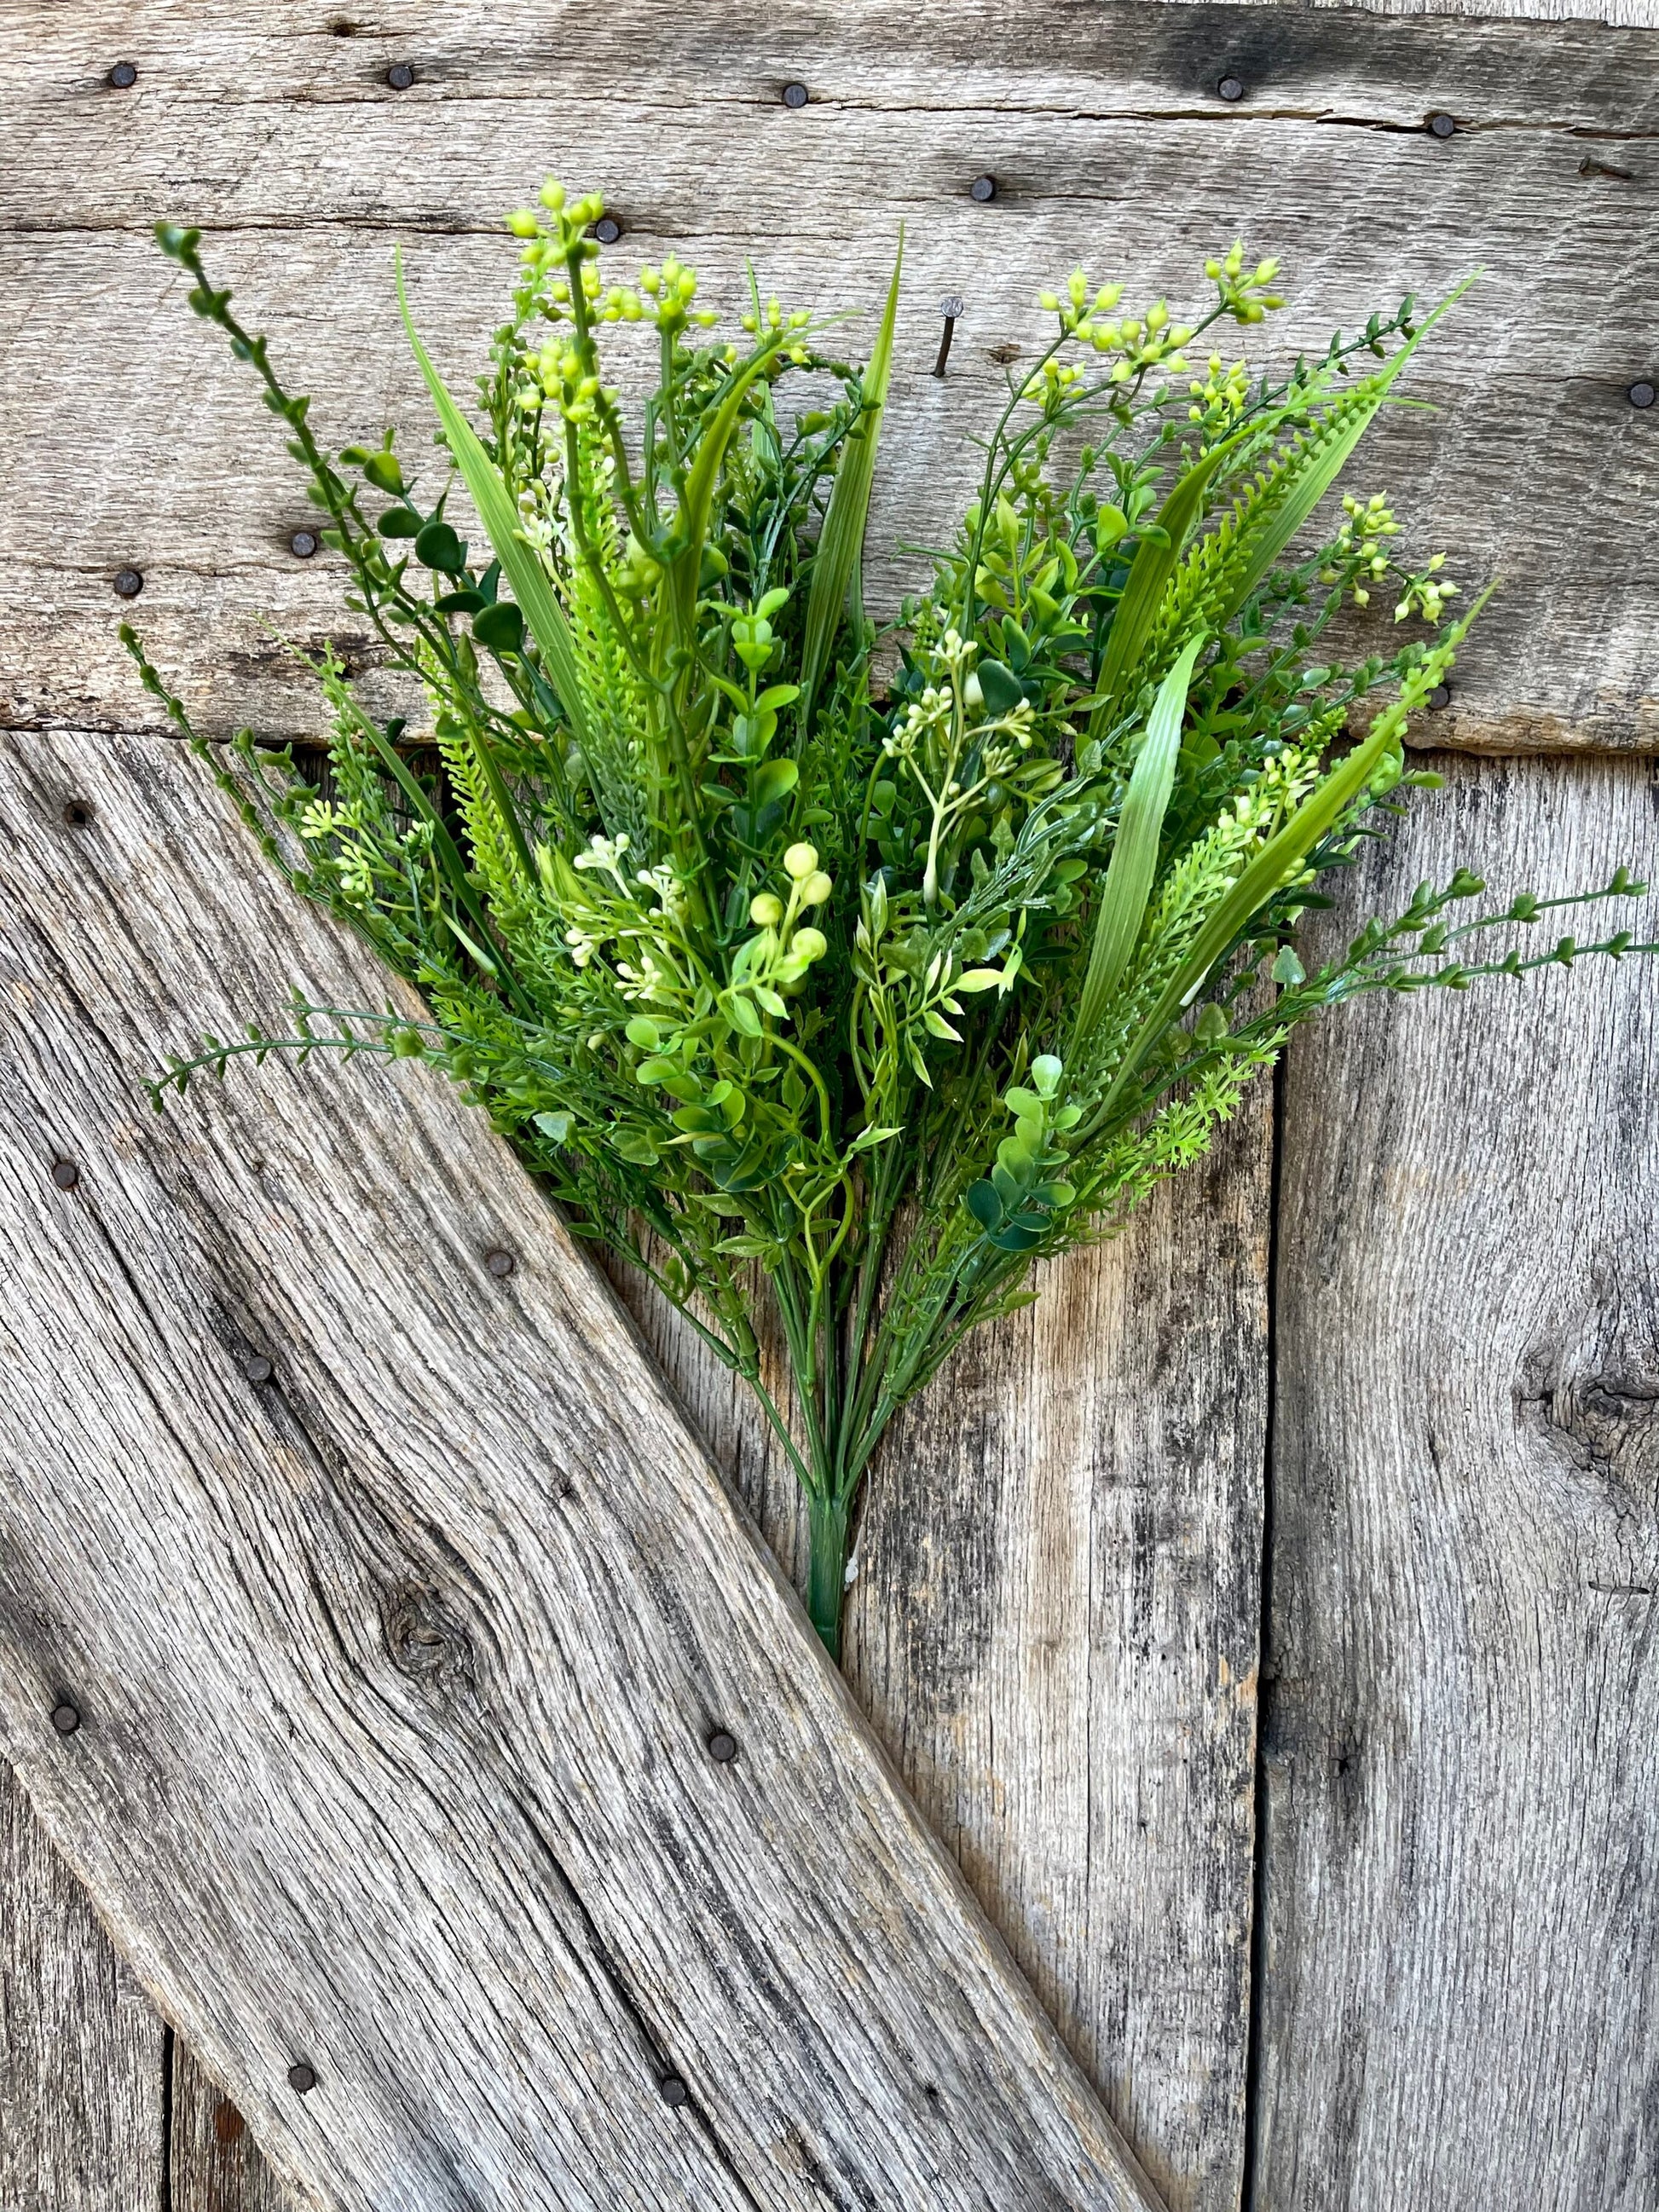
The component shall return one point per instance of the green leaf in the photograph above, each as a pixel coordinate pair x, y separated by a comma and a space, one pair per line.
1286, 968
496, 511
384, 473
982, 1201
773, 782
555, 1126
501, 628
840, 541
1000, 687
399, 522
1149, 573
1134, 863
438, 547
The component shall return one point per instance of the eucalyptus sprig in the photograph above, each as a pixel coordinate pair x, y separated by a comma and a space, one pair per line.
806, 988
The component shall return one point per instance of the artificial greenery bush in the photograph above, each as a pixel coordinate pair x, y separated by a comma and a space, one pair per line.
854, 966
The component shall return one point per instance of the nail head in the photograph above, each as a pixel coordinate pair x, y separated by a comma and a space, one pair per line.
301, 2078
794, 95
65, 1175
303, 544
499, 1264
1641, 393
951, 307
123, 75
128, 582
66, 1717
607, 230
722, 1747
400, 76
674, 2091
257, 1367
1442, 125
983, 188
1440, 696
1230, 88
228, 2126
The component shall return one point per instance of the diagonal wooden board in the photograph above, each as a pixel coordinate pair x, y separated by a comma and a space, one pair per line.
396, 1669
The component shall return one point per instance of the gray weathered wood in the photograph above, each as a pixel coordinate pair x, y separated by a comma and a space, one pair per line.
1054, 1629
396, 1668
1461, 1995
132, 439
81, 2068
215, 2165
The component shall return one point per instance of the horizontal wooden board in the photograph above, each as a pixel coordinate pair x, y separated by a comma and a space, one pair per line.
1461, 1997
130, 440
396, 1662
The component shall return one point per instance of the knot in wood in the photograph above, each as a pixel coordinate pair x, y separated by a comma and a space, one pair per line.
426, 1641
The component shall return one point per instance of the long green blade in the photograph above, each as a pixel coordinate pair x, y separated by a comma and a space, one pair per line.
1149, 574
696, 502
1135, 850
500, 518
1284, 853
840, 542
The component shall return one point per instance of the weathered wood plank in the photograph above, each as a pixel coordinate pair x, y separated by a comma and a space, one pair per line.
215, 2165
1461, 1994
397, 1663
1054, 1629
1103, 131
82, 2063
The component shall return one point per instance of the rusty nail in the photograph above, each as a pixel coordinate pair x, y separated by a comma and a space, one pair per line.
123, 75
499, 1264
1230, 88
128, 582
722, 1747
65, 1175
607, 230
301, 2078
257, 1367
303, 544
949, 308
66, 1717
228, 2126
1640, 393
983, 188
1440, 696
400, 76
1442, 125
674, 2091
794, 95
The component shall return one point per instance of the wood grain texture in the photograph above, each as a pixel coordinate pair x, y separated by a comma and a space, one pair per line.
215, 2165
129, 437
82, 2063
396, 1668
1461, 2003
1054, 1628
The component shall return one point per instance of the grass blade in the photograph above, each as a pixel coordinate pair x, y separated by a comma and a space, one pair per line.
1149, 574
1135, 849
840, 542
520, 563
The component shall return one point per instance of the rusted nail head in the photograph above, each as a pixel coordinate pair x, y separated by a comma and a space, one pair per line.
722, 1747
1641, 393
983, 188
499, 1264
1230, 88
301, 2078
128, 582
65, 1173
257, 1367
607, 230
303, 544
674, 2091
66, 1717
794, 95
229, 2124
1440, 696
123, 75
400, 76
1442, 125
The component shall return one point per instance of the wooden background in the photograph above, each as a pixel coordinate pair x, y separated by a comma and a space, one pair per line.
1265, 1620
